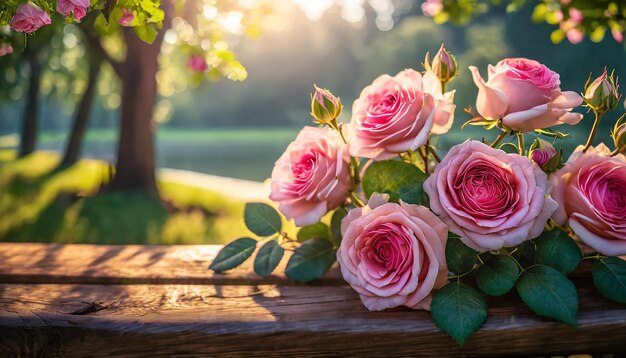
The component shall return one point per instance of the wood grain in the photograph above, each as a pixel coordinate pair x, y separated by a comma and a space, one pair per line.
128, 264
272, 320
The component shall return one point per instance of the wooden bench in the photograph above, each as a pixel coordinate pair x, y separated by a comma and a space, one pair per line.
88, 300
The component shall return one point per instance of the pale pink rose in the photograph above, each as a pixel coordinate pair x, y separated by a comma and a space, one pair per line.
28, 18
591, 192
78, 7
5, 49
575, 15
312, 177
197, 63
393, 254
489, 198
617, 35
396, 114
575, 36
432, 7
127, 17
525, 94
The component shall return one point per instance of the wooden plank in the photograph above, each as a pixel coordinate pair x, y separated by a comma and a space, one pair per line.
127, 264
268, 320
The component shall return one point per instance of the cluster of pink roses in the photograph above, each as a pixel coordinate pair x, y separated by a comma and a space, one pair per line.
394, 253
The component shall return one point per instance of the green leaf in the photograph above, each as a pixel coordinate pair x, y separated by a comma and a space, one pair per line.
268, 258
335, 224
459, 257
549, 293
311, 260
458, 310
609, 276
398, 179
262, 219
319, 230
233, 254
555, 248
146, 33
509, 148
498, 276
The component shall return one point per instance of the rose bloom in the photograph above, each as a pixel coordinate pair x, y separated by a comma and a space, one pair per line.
432, 7
78, 7
126, 18
312, 176
489, 198
197, 63
396, 114
5, 49
28, 18
393, 254
591, 192
525, 94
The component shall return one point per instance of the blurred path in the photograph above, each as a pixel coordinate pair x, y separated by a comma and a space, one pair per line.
236, 188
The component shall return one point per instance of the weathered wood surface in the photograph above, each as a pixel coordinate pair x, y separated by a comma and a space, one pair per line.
68, 318
127, 264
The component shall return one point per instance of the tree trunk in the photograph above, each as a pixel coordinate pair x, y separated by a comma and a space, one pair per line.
31, 110
81, 118
135, 169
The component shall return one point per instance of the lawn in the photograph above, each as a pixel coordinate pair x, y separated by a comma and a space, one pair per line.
40, 203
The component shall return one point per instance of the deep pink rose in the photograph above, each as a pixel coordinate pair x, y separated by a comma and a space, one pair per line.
5, 49
127, 17
396, 114
28, 18
591, 192
312, 176
197, 63
393, 254
489, 198
78, 7
526, 95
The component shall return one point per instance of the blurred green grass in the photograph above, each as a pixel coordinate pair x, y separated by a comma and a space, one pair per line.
40, 203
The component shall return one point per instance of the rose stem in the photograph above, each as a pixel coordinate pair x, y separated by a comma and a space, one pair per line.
432, 150
355, 200
520, 143
500, 137
593, 131
424, 155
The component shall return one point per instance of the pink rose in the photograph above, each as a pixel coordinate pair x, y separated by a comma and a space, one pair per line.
525, 94
312, 177
28, 18
396, 114
78, 7
197, 63
489, 198
393, 255
127, 17
591, 192
5, 49
432, 7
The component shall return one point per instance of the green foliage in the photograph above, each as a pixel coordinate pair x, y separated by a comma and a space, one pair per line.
609, 277
262, 219
311, 260
268, 258
402, 181
458, 310
233, 254
555, 248
459, 257
498, 276
319, 230
549, 293
335, 224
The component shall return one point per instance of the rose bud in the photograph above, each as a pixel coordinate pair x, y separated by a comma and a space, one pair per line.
544, 155
197, 63
78, 7
127, 18
5, 49
602, 94
325, 107
619, 134
444, 65
28, 18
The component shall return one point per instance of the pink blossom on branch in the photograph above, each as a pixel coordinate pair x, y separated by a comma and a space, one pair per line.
77, 7
197, 63
28, 18
127, 17
5, 49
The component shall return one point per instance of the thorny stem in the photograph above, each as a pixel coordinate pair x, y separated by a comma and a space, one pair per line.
498, 139
594, 129
520, 143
